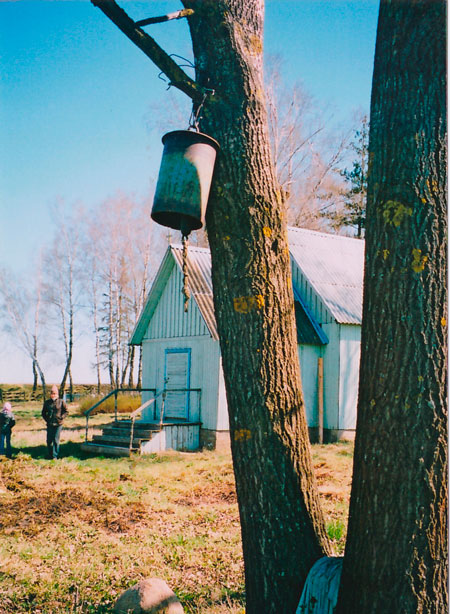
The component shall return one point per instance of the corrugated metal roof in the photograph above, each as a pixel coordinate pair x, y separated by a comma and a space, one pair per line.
199, 281
334, 267
331, 264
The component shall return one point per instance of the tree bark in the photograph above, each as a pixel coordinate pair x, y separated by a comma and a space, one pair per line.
35, 377
396, 553
283, 531
131, 367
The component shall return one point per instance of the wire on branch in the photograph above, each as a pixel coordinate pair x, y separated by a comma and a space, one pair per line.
177, 77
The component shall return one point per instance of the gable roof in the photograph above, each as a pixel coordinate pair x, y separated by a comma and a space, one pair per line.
200, 282
333, 266
200, 287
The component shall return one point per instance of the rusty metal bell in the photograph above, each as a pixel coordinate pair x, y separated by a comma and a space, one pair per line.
184, 180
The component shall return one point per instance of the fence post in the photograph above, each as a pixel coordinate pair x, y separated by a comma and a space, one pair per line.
131, 433
115, 404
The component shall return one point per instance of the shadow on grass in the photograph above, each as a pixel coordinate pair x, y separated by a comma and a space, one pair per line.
68, 449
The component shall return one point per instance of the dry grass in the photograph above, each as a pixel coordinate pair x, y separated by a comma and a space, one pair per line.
126, 403
75, 533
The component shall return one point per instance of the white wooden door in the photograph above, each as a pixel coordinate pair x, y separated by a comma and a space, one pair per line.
177, 376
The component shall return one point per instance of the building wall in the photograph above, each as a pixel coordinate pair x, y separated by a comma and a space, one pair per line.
172, 328
331, 366
169, 319
308, 357
223, 420
315, 304
204, 374
350, 352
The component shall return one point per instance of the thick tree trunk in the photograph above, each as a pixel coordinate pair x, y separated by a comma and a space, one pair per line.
396, 554
282, 526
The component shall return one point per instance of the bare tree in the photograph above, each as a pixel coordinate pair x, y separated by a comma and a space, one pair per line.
62, 283
350, 213
21, 306
306, 149
120, 252
90, 277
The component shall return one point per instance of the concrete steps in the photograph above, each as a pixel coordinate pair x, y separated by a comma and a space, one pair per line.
148, 437
115, 438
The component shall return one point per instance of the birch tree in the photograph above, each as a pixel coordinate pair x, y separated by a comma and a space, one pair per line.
121, 249
63, 287
24, 319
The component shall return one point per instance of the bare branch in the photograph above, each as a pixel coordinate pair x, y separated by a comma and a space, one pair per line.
169, 17
177, 77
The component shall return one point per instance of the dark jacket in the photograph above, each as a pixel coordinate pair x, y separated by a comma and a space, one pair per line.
7, 421
54, 412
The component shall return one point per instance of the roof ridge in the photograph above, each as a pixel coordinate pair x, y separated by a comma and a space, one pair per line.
178, 246
328, 235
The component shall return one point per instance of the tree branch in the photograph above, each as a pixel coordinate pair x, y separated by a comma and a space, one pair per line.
169, 17
177, 77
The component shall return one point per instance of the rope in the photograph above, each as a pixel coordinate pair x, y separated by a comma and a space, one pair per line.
186, 292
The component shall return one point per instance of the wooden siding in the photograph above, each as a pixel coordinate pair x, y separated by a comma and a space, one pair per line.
170, 320
309, 296
350, 351
331, 365
204, 374
223, 423
174, 437
308, 356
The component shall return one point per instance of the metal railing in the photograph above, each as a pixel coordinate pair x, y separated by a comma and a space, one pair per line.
143, 406
162, 393
115, 392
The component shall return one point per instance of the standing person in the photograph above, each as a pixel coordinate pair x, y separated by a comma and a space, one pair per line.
54, 412
7, 421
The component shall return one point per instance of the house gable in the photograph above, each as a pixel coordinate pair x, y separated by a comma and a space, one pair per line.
156, 290
169, 319
163, 315
327, 273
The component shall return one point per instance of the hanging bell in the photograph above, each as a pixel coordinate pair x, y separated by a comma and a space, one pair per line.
184, 180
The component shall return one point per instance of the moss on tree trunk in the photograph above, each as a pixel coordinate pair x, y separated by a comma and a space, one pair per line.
396, 553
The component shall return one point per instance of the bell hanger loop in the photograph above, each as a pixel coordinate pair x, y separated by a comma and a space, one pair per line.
195, 117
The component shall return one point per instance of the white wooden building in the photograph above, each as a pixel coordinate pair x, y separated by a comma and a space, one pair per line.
181, 349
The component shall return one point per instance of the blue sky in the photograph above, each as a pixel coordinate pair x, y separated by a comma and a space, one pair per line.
78, 101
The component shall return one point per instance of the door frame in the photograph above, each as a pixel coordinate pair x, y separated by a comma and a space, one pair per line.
187, 351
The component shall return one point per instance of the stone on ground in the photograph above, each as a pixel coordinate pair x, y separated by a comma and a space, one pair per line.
149, 596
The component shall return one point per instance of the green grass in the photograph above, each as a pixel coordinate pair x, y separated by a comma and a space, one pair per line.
77, 532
